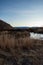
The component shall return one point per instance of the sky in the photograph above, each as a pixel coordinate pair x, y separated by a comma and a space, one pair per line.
22, 12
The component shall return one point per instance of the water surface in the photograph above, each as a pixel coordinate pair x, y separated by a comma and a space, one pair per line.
36, 36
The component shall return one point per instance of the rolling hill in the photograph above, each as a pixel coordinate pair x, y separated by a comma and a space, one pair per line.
4, 25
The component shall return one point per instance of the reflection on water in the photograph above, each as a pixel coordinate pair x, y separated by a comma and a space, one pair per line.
36, 36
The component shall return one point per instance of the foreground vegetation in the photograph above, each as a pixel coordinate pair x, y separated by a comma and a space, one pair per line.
17, 48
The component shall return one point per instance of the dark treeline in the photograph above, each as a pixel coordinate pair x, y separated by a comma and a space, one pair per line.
35, 30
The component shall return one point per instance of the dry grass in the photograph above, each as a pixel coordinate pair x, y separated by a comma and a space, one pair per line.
25, 50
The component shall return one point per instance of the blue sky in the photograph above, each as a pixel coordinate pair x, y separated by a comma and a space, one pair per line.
22, 12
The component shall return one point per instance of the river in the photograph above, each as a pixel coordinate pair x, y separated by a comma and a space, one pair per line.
36, 36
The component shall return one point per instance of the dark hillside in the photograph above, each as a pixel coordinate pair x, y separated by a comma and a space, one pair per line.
4, 25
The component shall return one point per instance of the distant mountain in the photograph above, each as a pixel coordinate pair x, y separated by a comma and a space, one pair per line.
21, 27
4, 25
